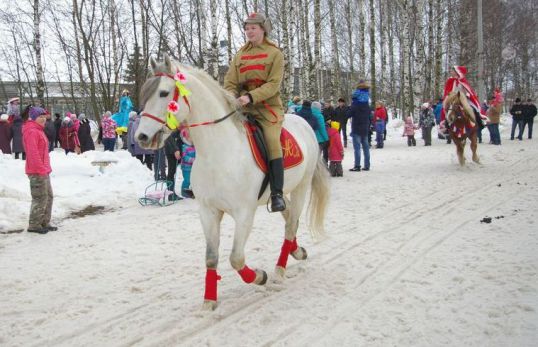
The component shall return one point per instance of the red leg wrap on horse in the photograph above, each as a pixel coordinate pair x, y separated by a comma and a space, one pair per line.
294, 245
248, 275
211, 279
285, 251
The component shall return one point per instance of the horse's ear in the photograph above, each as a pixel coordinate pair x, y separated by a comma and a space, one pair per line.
167, 62
152, 64
458, 94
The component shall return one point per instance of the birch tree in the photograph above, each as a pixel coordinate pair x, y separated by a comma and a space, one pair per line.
40, 85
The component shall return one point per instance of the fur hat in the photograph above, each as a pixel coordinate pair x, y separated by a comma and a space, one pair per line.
461, 71
81, 116
316, 104
307, 103
363, 85
132, 114
4, 117
13, 100
125, 91
259, 18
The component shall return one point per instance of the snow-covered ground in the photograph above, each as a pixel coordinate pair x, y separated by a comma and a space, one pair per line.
407, 261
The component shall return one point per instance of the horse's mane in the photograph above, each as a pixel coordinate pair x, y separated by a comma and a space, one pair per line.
152, 83
209, 82
457, 97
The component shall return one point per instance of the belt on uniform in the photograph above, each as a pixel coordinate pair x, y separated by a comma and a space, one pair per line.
252, 83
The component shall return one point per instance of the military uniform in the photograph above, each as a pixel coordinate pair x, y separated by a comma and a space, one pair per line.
258, 71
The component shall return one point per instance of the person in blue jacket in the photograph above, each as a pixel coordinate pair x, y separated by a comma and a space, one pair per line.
360, 114
321, 134
314, 117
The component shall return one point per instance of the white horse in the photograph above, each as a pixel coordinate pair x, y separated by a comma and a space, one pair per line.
225, 177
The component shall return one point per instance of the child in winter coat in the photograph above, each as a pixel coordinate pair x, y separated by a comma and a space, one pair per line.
409, 131
336, 150
380, 119
188, 154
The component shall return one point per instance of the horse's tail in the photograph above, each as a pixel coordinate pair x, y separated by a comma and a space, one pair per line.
319, 197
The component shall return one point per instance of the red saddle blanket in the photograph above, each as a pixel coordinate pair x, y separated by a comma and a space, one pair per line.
291, 151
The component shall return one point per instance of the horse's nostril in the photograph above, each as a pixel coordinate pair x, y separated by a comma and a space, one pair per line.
142, 137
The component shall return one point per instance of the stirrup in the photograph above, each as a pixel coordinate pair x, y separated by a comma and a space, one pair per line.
280, 208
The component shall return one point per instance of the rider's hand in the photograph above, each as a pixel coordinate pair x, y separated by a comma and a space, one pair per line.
243, 100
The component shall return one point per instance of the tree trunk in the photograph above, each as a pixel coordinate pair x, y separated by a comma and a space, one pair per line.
372, 52
214, 55
315, 71
286, 82
40, 87
228, 30
362, 50
438, 51
335, 53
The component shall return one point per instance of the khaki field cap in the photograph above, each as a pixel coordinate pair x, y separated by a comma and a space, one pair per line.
259, 18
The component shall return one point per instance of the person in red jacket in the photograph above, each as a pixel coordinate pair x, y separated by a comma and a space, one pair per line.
336, 150
457, 79
38, 169
380, 119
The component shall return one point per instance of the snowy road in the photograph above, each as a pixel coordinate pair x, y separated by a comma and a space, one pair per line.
407, 263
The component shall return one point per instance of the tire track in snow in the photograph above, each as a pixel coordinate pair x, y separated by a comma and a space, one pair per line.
251, 301
393, 268
409, 253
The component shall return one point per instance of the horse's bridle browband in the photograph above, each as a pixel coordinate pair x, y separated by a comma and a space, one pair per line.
176, 97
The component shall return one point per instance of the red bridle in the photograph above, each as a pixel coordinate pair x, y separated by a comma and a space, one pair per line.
176, 97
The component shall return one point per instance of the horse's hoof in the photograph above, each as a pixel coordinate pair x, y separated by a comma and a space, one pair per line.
261, 277
209, 305
280, 273
300, 254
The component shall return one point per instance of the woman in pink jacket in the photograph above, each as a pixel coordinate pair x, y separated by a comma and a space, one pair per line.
38, 169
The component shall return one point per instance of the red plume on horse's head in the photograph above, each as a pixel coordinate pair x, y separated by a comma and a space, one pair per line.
461, 71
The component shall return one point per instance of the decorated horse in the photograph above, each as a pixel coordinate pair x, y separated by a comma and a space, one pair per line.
226, 175
461, 123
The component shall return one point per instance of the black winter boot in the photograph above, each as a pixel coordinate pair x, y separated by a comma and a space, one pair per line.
276, 181
479, 120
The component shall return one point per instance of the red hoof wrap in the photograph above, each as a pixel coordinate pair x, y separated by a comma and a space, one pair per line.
287, 247
248, 275
211, 279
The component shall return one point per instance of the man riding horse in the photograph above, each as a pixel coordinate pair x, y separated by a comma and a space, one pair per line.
457, 80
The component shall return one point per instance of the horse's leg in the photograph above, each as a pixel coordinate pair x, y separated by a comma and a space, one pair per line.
291, 215
243, 226
211, 219
459, 148
474, 146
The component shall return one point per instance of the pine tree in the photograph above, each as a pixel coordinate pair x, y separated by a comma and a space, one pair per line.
134, 73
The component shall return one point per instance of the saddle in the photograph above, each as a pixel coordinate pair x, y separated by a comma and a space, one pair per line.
291, 152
